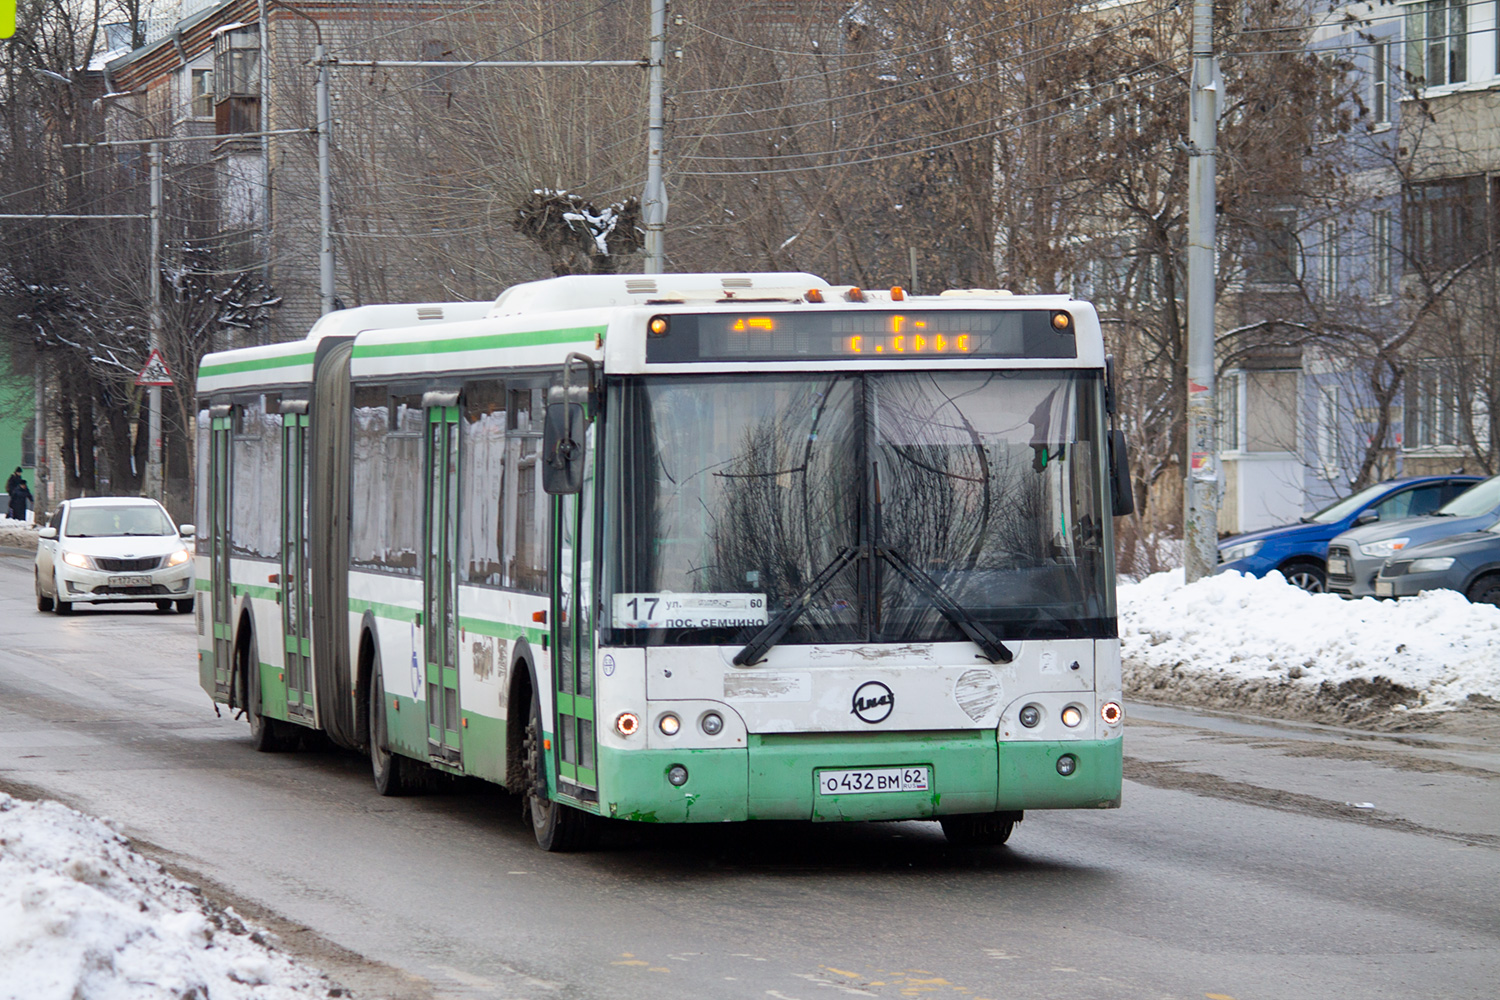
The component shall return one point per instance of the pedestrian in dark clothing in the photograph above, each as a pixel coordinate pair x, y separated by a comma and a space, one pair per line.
15, 477
20, 499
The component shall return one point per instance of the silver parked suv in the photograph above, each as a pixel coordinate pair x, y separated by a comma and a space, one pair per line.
1355, 557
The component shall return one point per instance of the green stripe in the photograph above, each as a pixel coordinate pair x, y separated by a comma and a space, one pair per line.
254, 590
256, 364
395, 612
534, 338
501, 630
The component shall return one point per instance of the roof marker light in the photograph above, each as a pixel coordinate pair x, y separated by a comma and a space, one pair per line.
898, 294
855, 295
813, 295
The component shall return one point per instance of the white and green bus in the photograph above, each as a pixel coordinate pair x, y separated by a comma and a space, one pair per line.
679, 548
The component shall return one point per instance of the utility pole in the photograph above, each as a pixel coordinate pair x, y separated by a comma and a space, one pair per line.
325, 190
1200, 496
153, 394
654, 200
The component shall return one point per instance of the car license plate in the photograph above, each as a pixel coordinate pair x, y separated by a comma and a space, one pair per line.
1338, 567
1385, 588
874, 779
130, 581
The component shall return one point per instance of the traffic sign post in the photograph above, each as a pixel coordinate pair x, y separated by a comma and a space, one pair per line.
156, 372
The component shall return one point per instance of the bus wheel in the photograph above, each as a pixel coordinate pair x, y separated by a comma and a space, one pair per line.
979, 829
392, 772
557, 826
266, 735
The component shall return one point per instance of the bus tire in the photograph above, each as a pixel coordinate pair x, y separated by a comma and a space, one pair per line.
266, 735
979, 829
43, 602
556, 825
391, 771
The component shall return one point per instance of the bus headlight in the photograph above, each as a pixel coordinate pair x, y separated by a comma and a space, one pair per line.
677, 775
1067, 764
669, 724
712, 724
1031, 715
627, 724
1072, 716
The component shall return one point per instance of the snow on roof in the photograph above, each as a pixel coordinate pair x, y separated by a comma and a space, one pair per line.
83, 915
1262, 641
593, 291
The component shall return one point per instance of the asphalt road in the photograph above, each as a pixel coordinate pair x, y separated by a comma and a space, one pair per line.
1250, 860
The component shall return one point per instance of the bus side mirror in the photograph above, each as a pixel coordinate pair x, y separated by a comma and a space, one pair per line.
1122, 495
562, 449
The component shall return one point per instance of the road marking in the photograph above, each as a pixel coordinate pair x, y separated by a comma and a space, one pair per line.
1218, 996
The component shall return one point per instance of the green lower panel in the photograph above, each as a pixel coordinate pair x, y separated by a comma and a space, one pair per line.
633, 785
1029, 778
406, 726
272, 693
484, 747
783, 774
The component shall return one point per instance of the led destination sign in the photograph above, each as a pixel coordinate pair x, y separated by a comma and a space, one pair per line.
830, 335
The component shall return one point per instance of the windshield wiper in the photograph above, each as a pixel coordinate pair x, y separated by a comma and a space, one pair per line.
776, 628
994, 650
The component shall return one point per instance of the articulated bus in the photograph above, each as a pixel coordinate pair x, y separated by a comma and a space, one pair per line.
679, 548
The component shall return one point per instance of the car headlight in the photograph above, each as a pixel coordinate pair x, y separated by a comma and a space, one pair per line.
1381, 549
1242, 551
1432, 564
178, 558
78, 559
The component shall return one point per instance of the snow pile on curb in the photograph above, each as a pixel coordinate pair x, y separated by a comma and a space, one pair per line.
82, 915
1234, 641
17, 534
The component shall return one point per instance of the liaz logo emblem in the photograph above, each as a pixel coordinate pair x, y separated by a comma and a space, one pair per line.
873, 702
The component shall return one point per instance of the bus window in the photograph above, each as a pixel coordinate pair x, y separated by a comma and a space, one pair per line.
386, 481
482, 484
255, 467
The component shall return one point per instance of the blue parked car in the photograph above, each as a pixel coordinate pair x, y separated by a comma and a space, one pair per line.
1300, 551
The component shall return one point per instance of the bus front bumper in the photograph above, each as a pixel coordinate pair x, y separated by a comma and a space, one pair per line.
777, 778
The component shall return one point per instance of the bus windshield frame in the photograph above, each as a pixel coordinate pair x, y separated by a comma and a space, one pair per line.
727, 498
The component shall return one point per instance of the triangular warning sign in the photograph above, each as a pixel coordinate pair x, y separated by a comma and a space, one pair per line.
155, 372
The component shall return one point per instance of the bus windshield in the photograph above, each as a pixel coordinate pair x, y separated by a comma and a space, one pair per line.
729, 499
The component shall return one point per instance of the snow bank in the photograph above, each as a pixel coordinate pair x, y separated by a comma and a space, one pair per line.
17, 534
1234, 641
82, 915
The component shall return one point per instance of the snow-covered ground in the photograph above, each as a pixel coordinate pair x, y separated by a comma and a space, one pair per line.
17, 534
1233, 641
83, 915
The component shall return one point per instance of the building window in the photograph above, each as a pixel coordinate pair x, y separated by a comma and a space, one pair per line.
1328, 431
1273, 253
1431, 407
1437, 49
1229, 412
1380, 83
1380, 235
1328, 260
1444, 222
1258, 411
28, 444
237, 62
203, 93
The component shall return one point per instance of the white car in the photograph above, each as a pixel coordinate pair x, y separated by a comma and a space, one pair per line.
100, 549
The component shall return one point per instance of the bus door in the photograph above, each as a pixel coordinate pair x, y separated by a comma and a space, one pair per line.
439, 615
296, 617
221, 432
573, 635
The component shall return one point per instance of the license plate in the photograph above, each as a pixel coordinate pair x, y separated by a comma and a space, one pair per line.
874, 779
130, 581
1385, 588
1338, 567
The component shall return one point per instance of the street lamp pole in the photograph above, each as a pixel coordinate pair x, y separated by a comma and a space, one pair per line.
153, 448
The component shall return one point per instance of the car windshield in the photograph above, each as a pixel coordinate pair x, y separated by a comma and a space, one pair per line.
729, 499
1476, 500
1343, 508
101, 522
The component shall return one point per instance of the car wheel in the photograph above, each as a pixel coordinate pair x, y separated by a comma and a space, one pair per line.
1306, 576
59, 605
185, 606
43, 602
979, 829
557, 826
1486, 590
163, 605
